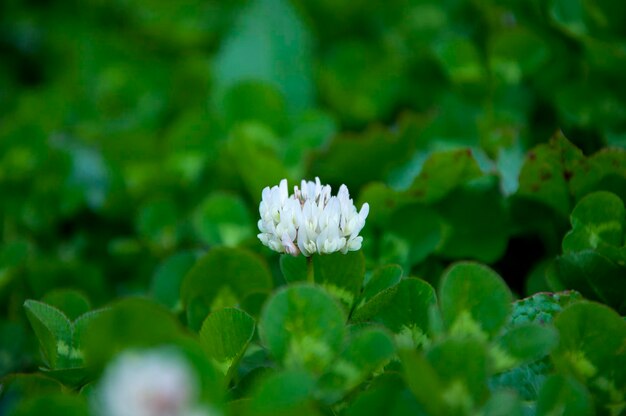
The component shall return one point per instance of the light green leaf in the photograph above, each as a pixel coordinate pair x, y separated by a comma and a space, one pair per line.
303, 327
72, 303
270, 43
294, 268
564, 396
528, 342
54, 331
222, 219
168, 277
341, 274
367, 350
475, 301
225, 335
442, 172
223, 277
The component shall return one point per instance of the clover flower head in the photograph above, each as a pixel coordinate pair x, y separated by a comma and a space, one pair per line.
311, 220
152, 383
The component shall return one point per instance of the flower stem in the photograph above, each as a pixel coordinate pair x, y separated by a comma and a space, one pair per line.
310, 275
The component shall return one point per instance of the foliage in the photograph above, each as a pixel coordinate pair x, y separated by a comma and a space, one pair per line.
488, 138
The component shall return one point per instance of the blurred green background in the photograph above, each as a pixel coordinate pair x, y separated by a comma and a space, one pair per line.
135, 134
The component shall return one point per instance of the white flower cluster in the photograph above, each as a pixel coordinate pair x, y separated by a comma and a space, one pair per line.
311, 220
153, 383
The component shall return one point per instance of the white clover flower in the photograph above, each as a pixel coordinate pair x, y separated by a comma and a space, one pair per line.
311, 220
152, 383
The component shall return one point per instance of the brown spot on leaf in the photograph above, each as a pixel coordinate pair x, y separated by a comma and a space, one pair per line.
567, 174
545, 175
418, 193
532, 156
535, 187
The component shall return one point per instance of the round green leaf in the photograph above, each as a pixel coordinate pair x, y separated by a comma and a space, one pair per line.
367, 351
591, 343
474, 299
168, 277
406, 312
528, 342
461, 368
72, 303
294, 268
564, 396
598, 217
223, 277
303, 327
284, 393
225, 334
341, 274
223, 219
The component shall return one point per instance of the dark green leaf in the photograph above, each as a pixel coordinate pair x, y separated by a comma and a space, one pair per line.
294, 268
565, 396
341, 274
474, 300
225, 335
303, 327
223, 277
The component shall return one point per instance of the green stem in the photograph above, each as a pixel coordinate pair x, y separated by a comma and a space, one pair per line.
310, 275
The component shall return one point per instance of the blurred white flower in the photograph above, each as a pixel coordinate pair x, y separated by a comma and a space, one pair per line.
151, 383
311, 220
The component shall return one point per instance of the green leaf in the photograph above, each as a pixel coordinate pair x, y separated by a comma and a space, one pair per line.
382, 278
72, 303
462, 366
540, 308
591, 345
351, 79
303, 327
406, 312
475, 222
341, 274
528, 342
269, 108
423, 381
283, 393
225, 335
546, 173
54, 331
597, 218
168, 277
157, 223
595, 275
603, 171
253, 151
12, 346
516, 52
379, 151
128, 323
53, 405
294, 268
569, 15
388, 395
367, 350
503, 403
222, 219
565, 396
460, 60
475, 301
223, 277
421, 227
442, 172
275, 49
